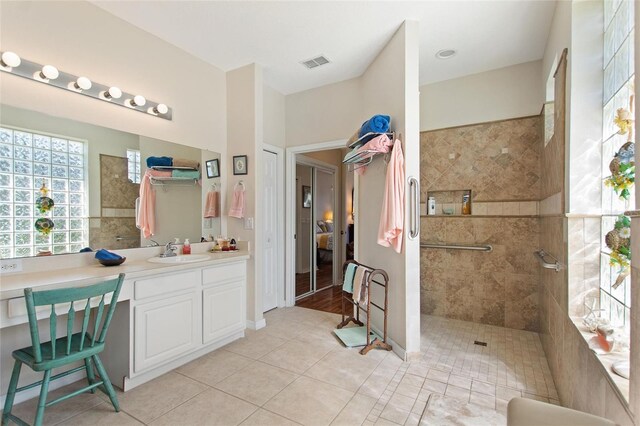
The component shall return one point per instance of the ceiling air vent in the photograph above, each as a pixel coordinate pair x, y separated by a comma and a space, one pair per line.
315, 62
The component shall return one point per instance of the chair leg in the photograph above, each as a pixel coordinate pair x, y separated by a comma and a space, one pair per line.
11, 393
43, 398
91, 377
107, 383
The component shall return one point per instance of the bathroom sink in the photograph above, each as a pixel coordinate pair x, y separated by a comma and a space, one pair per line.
191, 258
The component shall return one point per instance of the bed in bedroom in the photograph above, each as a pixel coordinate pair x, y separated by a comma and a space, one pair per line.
324, 241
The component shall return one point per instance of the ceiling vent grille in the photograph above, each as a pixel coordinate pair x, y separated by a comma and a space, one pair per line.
315, 62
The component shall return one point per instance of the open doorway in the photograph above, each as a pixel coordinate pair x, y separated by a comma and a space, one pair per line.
320, 229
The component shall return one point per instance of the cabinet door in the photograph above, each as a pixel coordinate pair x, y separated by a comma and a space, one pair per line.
165, 329
223, 310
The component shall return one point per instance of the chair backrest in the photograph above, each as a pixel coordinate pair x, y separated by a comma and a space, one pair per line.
72, 295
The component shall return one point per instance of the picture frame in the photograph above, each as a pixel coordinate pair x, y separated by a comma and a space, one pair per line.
240, 165
213, 168
306, 197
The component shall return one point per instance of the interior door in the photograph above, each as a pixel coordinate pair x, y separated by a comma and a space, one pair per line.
325, 210
270, 231
305, 262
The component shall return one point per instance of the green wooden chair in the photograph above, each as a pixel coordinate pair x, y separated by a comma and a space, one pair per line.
58, 352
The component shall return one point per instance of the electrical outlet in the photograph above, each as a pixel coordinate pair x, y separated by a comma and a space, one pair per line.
13, 265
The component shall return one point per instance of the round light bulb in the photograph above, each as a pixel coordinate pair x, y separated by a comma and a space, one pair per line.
161, 109
83, 83
113, 92
49, 72
10, 59
138, 100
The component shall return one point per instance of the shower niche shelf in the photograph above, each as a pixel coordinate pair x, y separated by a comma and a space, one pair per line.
449, 203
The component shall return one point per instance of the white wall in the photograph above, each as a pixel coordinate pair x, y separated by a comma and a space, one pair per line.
245, 132
274, 117
585, 126
499, 94
324, 114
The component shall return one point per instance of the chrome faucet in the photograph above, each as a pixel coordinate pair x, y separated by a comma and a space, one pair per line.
154, 243
169, 250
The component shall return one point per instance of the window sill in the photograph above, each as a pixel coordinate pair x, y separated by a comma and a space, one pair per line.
607, 360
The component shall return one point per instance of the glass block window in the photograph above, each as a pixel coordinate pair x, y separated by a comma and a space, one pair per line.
133, 164
618, 92
27, 159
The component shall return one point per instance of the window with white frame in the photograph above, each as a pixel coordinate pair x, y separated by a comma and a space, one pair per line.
618, 96
133, 165
27, 160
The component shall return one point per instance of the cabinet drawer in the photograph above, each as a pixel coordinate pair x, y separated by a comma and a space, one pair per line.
225, 272
163, 284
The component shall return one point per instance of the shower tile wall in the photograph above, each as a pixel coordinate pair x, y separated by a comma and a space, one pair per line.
117, 201
500, 163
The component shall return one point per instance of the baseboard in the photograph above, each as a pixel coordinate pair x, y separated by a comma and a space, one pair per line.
35, 392
396, 348
256, 325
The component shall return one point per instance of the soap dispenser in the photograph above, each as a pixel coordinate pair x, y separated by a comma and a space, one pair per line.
186, 248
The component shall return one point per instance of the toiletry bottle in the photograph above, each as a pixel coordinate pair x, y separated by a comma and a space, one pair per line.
176, 243
466, 204
232, 244
186, 248
431, 206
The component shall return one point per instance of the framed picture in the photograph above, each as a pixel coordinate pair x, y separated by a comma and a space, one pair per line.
239, 164
213, 168
306, 197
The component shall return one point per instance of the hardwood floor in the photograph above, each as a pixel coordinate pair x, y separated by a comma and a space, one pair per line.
328, 300
324, 278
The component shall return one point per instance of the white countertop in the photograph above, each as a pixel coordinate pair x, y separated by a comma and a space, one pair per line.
13, 285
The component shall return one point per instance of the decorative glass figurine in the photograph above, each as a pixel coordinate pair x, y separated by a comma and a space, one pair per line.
44, 204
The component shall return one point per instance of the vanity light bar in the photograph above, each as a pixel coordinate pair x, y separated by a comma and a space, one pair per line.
48, 74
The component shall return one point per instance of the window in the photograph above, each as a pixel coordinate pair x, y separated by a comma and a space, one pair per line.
615, 300
27, 160
133, 164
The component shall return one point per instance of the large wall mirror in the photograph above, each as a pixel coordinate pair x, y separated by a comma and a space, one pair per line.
93, 175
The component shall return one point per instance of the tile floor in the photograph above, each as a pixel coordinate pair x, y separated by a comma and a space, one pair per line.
295, 372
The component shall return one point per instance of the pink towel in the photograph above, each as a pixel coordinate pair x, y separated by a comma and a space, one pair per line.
390, 231
158, 173
237, 205
379, 144
212, 205
146, 219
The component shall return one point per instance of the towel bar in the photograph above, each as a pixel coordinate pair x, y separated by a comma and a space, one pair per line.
541, 254
487, 247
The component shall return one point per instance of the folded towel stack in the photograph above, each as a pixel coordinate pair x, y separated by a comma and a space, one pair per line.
376, 124
185, 174
159, 162
103, 254
183, 162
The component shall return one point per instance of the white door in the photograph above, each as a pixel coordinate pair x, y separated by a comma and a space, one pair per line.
270, 231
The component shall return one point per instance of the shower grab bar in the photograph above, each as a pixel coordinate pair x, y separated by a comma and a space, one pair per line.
541, 254
486, 247
414, 205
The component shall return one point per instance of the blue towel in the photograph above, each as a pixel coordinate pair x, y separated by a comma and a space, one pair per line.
159, 162
376, 124
185, 174
347, 285
107, 255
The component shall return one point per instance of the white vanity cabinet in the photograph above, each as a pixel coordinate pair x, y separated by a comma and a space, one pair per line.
223, 301
177, 317
166, 317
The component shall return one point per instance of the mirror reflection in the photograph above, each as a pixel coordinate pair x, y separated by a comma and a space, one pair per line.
93, 175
